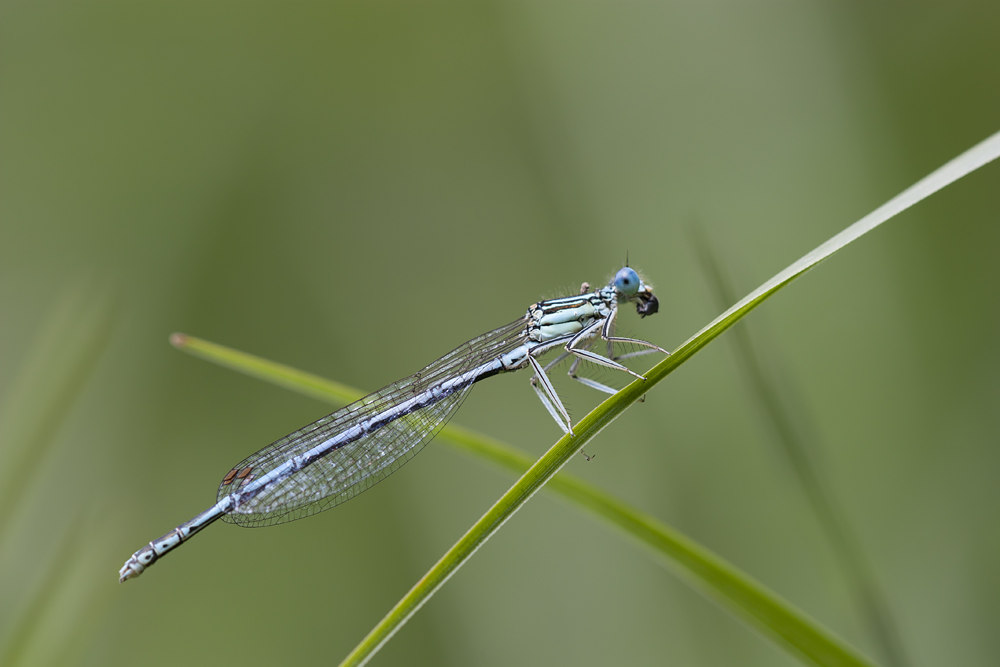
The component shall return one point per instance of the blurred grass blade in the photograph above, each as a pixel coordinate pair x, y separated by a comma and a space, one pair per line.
773, 404
82, 604
55, 370
56, 624
29, 620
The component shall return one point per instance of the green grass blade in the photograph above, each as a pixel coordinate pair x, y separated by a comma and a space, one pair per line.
28, 622
63, 354
69, 600
284, 376
336, 393
55, 370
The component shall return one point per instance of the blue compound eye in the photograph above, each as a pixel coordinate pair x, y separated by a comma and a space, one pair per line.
627, 282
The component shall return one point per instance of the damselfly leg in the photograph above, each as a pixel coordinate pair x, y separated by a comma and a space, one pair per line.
577, 347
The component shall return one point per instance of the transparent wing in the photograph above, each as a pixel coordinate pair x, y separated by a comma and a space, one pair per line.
359, 465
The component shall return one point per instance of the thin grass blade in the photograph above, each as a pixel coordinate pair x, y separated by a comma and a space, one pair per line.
64, 352
792, 438
55, 625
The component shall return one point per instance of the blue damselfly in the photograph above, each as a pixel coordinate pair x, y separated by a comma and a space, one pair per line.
349, 451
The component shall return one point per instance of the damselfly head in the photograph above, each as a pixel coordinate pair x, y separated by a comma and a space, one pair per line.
630, 287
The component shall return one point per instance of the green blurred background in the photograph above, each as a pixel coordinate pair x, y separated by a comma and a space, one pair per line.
356, 188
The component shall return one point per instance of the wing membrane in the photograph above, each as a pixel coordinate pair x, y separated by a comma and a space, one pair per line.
359, 465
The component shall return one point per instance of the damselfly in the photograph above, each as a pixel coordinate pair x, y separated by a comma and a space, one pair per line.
349, 451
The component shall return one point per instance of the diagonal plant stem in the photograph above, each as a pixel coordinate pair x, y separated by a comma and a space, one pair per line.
28, 622
54, 372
